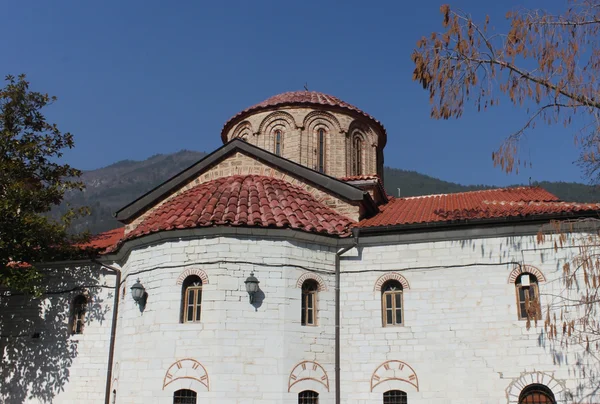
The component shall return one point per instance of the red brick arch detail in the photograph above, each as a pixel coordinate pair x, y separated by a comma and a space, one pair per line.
389, 276
273, 117
522, 269
315, 277
193, 271
314, 117
243, 128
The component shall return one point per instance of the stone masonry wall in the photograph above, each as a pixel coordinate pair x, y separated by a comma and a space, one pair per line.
461, 341
238, 353
299, 127
42, 362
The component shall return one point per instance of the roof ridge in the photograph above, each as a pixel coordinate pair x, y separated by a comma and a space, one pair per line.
520, 187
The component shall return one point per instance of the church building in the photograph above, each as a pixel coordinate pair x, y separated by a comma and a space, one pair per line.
278, 270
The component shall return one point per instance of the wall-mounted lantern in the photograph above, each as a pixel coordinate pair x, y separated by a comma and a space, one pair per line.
251, 286
138, 292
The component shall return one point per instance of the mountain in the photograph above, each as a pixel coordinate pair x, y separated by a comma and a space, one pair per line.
110, 188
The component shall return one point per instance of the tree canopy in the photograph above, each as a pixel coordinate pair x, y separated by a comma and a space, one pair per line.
547, 63
32, 183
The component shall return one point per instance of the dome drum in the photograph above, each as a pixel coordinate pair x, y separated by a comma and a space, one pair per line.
316, 130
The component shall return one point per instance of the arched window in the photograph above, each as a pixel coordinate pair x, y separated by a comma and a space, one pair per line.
356, 156
278, 142
78, 314
308, 397
321, 151
528, 297
309, 302
395, 397
536, 394
191, 299
391, 302
184, 397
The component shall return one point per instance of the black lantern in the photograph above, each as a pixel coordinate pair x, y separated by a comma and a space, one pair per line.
138, 292
251, 286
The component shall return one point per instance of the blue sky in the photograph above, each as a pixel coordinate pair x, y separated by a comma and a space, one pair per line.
137, 78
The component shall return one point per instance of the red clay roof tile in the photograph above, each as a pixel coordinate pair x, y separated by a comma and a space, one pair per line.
107, 241
488, 204
268, 202
244, 200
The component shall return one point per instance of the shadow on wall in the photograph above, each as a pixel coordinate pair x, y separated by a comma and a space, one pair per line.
259, 298
36, 342
576, 351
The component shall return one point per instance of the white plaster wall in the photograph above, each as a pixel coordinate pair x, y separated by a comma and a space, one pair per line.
461, 334
57, 367
247, 352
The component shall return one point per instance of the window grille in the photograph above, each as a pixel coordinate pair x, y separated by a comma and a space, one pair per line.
184, 397
308, 397
395, 397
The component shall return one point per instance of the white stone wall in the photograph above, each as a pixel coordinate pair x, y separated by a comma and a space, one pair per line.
41, 361
461, 341
461, 336
246, 352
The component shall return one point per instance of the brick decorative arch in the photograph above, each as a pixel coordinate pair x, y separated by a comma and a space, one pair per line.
187, 369
193, 271
273, 117
513, 391
313, 116
522, 269
391, 276
392, 373
242, 129
308, 372
313, 276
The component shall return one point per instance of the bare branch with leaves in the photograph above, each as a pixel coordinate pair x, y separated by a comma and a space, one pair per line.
546, 63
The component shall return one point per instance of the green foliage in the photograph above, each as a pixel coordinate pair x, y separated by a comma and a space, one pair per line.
32, 182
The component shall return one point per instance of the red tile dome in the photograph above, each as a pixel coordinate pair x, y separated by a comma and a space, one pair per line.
244, 200
300, 98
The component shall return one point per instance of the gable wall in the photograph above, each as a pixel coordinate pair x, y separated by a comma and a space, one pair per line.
242, 164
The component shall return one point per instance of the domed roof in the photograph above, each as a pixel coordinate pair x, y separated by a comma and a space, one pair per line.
301, 98
244, 200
